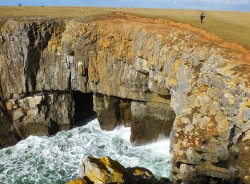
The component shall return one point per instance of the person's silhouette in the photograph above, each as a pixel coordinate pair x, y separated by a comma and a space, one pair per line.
202, 16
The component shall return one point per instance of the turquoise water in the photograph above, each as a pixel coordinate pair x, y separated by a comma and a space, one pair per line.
57, 159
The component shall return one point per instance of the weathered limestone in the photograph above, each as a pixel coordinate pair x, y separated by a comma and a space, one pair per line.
150, 121
42, 114
108, 111
105, 170
136, 66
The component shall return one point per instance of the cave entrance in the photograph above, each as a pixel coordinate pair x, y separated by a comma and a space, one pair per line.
83, 107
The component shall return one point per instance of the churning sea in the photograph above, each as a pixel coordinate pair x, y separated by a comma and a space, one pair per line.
57, 159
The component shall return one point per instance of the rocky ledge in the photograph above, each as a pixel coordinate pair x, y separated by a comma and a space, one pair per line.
106, 171
156, 76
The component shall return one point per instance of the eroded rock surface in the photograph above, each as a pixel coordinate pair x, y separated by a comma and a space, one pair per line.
43, 114
150, 121
141, 70
106, 171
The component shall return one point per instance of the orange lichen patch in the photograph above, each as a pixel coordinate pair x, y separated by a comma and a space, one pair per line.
244, 70
9, 105
247, 57
244, 53
211, 128
193, 141
197, 135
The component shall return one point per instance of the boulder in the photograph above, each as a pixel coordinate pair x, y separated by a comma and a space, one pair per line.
107, 171
104, 170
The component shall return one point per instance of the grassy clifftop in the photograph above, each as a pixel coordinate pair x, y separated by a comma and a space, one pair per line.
233, 26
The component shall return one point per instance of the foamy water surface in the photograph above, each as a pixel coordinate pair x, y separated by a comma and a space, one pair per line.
57, 159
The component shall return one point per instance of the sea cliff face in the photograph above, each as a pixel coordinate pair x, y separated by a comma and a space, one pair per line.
153, 75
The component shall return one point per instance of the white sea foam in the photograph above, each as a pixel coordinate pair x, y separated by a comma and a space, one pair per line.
57, 159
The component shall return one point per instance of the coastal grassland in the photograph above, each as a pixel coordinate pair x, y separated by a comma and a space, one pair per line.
233, 26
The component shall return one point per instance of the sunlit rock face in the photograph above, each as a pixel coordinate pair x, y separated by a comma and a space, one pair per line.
154, 76
105, 170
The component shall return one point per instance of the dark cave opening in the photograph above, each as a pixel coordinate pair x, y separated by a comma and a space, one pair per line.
83, 108
53, 128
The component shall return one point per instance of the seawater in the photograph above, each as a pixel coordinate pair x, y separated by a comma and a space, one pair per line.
57, 159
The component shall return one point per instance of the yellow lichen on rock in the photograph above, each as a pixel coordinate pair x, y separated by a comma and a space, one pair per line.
54, 46
106, 171
246, 137
77, 181
103, 170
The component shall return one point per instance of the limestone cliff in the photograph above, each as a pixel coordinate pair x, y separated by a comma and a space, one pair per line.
153, 75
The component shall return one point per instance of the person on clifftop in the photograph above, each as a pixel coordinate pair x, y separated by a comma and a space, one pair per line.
202, 16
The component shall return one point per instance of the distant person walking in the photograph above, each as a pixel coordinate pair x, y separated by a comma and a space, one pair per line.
202, 16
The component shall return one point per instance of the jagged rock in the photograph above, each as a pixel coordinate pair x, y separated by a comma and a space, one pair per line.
105, 170
43, 114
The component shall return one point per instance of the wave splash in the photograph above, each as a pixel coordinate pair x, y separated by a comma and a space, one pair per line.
57, 159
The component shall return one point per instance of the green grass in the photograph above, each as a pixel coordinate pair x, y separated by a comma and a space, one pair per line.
233, 26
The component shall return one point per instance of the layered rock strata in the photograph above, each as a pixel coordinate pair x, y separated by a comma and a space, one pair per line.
43, 114
143, 73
